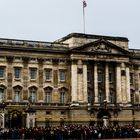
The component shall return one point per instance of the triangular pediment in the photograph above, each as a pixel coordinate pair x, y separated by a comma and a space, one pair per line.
101, 46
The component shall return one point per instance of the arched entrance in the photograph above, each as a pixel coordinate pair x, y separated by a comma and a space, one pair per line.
15, 118
103, 117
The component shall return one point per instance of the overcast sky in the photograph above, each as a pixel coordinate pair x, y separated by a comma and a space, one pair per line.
49, 20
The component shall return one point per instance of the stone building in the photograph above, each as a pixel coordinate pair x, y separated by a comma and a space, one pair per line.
79, 78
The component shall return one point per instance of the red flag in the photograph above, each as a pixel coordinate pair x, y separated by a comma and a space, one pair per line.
84, 4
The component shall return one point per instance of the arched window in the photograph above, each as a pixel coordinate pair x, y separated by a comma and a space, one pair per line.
62, 96
17, 94
48, 95
2, 95
33, 94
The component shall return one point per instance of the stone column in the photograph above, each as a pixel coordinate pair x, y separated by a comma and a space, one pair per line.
128, 85
107, 82
40, 80
95, 83
74, 82
85, 82
80, 81
30, 120
25, 78
118, 84
9, 78
2, 120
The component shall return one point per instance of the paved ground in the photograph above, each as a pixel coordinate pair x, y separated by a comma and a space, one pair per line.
123, 139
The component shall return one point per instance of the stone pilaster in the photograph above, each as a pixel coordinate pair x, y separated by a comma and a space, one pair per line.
95, 83
85, 83
128, 84
80, 81
107, 82
55, 72
9, 78
74, 82
40, 80
30, 120
118, 83
25, 78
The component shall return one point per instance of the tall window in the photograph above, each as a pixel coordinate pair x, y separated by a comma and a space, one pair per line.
62, 75
111, 98
101, 97
1, 94
88, 76
17, 72
48, 74
62, 96
131, 78
48, 95
33, 73
33, 94
17, 94
2, 72
89, 97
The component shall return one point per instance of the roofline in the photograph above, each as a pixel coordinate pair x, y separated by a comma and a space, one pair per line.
90, 36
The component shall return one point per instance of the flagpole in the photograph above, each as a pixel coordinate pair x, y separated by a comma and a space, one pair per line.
84, 23
84, 18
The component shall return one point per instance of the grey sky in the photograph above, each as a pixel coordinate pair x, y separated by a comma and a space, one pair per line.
48, 20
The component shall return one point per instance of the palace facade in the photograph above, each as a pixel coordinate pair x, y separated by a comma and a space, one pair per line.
80, 78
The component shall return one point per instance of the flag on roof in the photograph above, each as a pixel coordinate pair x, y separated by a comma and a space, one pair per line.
84, 4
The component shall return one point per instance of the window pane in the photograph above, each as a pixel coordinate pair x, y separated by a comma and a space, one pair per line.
48, 96
48, 74
17, 72
62, 75
1, 72
33, 73
17, 95
1, 95
33, 95
62, 97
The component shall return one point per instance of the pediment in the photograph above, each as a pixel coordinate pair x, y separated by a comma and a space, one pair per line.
101, 46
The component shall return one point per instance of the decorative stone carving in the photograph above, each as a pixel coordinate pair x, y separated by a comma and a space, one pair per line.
101, 48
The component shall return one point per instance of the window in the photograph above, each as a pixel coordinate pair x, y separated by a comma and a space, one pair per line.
48, 74
33, 96
88, 76
110, 77
101, 98
17, 92
1, 94
131, 78
62, 96
33, 73
62, 75
17, 73
111, 98
2, 71
48, 95
100, 77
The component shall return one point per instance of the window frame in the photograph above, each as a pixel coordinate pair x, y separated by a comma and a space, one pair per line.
2, 73
62, 75
17, 73
48, 74
33, 73
48, 95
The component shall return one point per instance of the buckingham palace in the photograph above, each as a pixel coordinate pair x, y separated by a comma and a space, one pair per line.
80, 78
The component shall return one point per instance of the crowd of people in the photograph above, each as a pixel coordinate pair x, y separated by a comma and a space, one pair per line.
70, 132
